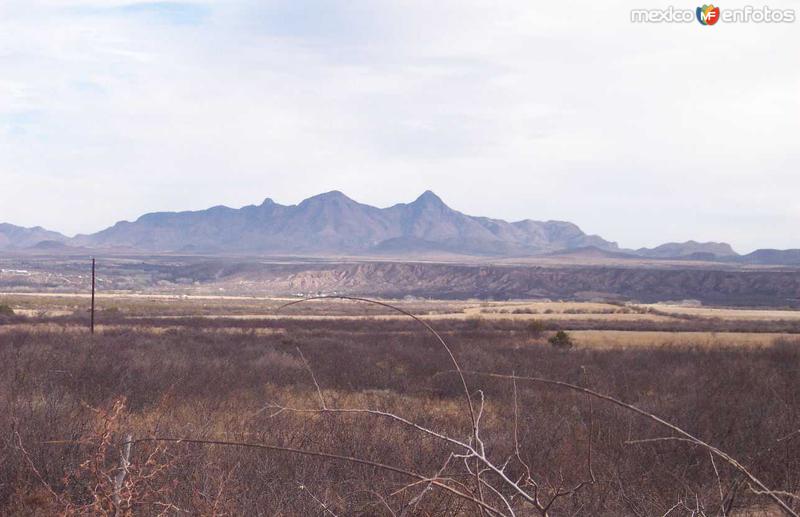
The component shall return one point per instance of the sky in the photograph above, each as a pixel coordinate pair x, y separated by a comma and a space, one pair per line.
641, 133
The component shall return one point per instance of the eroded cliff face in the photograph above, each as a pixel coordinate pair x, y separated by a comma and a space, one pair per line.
729, 287
718, 285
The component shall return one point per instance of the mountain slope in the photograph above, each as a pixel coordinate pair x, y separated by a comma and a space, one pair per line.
334, 223
12, 237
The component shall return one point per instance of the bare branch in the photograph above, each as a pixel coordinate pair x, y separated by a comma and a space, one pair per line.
467, 395
330, 456
719, 485
324, 506
313, 378
762, 489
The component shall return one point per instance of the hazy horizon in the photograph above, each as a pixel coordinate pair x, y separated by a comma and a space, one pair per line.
640, 133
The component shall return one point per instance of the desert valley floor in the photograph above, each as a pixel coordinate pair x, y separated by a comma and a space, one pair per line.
243, 405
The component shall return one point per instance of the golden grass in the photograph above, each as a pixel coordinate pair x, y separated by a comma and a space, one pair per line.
150, 305
542, 306
245, 308
606, 339
598, 339
728, 314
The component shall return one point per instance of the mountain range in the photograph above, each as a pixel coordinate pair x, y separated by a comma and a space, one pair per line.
333, 224
18, 237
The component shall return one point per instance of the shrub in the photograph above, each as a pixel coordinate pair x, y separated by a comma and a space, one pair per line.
536, 328
212, 378
475, 322
561, 340
6, 310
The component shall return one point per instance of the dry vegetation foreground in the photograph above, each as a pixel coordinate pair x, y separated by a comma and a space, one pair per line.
251, 398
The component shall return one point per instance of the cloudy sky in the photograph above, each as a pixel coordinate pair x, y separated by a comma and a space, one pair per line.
643, 133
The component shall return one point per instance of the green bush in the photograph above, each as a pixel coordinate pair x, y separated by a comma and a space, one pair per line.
561, 340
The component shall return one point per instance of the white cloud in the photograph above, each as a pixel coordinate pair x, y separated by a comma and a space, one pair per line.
642, 133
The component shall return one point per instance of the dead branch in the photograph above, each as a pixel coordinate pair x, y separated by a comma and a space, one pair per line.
760, 487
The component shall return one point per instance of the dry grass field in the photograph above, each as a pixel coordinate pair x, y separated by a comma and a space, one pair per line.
331, 407
722, 313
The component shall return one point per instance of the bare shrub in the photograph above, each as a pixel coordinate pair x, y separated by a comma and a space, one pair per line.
536, 328
6, 310
244, 425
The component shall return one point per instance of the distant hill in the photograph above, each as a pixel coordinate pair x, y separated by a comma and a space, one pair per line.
17, 237
332, 223
592, 252
689, 250
49, 246
769, 257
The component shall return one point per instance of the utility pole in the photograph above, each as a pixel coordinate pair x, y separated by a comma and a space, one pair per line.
92, 324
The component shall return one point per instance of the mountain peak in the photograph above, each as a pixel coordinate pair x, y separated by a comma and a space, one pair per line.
428, 198
333, 195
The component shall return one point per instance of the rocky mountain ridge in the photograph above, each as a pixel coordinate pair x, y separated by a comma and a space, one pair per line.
333, 224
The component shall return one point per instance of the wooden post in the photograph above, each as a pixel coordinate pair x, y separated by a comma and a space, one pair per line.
92, 324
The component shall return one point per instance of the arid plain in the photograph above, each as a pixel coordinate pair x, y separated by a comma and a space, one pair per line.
239, 405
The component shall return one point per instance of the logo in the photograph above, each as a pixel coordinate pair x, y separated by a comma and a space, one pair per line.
708, 14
